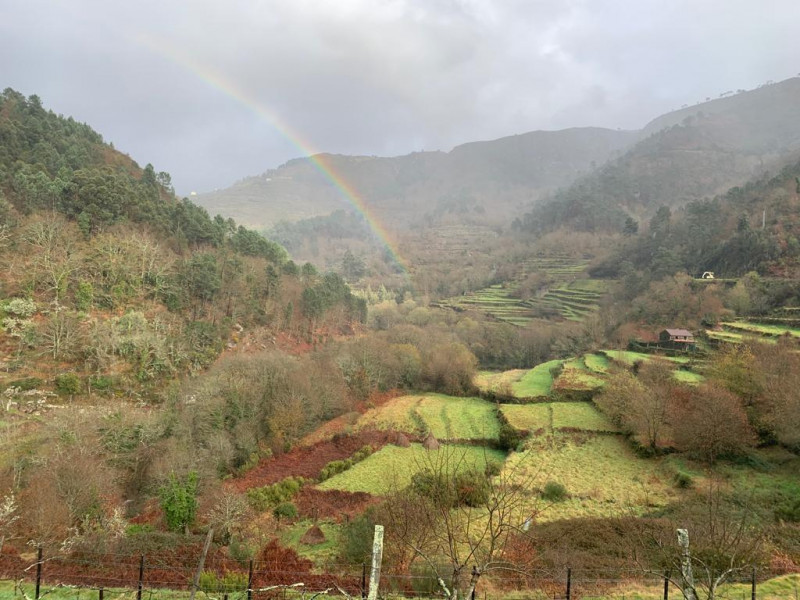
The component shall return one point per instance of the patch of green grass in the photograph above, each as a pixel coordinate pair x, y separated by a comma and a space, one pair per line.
575, 376
527, 417
318, 553
689, 377
596, 362
536, 382
601, 473
580, 415
497, 381
762, 328
391, 467
446, 417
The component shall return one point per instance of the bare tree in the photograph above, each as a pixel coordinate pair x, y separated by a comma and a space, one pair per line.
455, 516
705, 546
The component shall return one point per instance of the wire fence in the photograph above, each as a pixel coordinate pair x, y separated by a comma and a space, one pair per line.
171, 576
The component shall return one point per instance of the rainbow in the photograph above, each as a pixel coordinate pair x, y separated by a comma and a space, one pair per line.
320, 161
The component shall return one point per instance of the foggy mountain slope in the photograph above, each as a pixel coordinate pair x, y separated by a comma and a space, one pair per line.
689, 154
499, 177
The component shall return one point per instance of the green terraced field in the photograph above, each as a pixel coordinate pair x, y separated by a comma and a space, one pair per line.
624, 484
576, 376
498, 381
391, 467
536, 382
761, 329
446, 417
596, 362
528, 417
568, 296
580, 415
549, 416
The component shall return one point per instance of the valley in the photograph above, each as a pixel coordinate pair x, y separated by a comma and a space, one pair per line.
473, 351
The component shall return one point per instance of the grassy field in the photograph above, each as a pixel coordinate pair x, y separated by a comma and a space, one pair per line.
623, 484
761, 329
391, 467
497, 381
528, 417
318, 553
689, 377
446, 417
576, 376
569, 294
556, 415
536, 382
596, 362
580, 415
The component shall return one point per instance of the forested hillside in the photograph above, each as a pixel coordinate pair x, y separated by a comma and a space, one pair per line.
110, 282
687, 156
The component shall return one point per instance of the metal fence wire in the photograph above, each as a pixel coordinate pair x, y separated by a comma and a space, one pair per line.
155, 577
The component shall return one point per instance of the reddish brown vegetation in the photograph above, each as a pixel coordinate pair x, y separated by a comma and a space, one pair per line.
332, 504
308, 461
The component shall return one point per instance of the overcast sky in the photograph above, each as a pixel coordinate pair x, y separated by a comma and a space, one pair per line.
208, 90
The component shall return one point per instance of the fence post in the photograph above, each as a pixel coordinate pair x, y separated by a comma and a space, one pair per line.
363, 581
753, 585
38, 571
377, 559
569, 583
666, 585
250, 581
141, 578
100, 594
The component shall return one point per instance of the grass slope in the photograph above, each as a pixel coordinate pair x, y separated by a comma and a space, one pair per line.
536, 382
391, 467
602, 475
446, 417
547, 416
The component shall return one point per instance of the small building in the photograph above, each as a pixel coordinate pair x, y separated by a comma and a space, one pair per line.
708, 275
676, 336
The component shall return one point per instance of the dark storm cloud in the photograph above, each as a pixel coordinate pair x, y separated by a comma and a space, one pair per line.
377, 76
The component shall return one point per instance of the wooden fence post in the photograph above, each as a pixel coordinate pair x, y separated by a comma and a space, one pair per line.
202, 562
569, 583
363, 581
666, 585
141, 578
753, 585
100, 593
38, 571
250, 581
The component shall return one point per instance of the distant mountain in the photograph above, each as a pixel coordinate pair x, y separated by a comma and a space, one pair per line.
684, 156
489, 180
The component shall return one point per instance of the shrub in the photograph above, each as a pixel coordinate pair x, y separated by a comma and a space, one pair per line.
554, 492
683, 481
68, 384
26, 384
355, 543
179, 501
22, 308
509, 438
270, 496
230, 582
339, 466
285, 510
101, 383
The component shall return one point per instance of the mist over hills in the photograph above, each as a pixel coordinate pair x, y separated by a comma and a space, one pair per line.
501, 176
584, 177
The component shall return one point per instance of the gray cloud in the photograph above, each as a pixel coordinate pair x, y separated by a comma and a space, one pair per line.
376, 76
